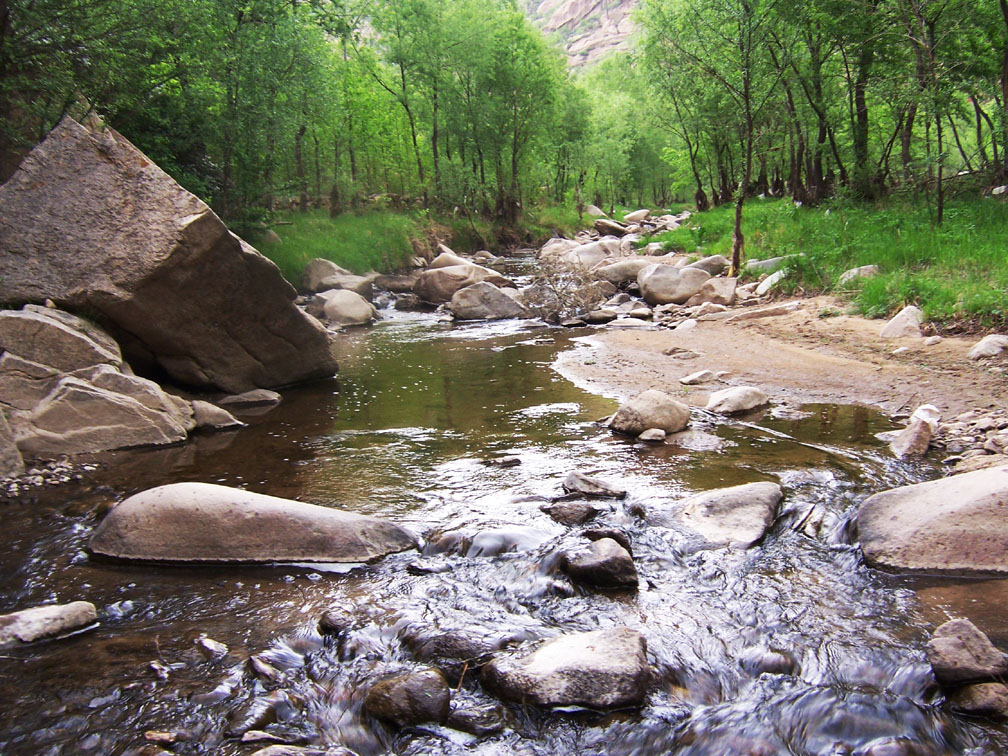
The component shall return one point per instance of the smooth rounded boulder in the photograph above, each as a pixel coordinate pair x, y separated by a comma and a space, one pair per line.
737, 516
665, 284
954, 524
651, 409
736, 399
440, 284
484, 301
410, 699
202, 522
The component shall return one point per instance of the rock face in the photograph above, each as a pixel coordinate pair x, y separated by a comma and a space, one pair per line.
150, 261
905, 324
664, 284
410, 699
735, 516
440, 284
604, 564
604, 669
30, 625
736, 399
960, 653
952, 524
200, 522
484, 301
652, 409
64, 392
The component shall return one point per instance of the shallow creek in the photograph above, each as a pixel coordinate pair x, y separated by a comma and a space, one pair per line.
419, 405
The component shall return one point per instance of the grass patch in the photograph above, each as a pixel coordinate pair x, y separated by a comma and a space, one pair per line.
379, 240
957, 273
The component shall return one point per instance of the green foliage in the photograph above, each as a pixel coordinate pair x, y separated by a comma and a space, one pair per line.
955, 272
375, 240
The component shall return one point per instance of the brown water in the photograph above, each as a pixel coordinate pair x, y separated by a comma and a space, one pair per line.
419, 405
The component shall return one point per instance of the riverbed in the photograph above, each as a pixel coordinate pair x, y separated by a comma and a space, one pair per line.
420, 407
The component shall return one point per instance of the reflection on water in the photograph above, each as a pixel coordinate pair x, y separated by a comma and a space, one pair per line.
792, 647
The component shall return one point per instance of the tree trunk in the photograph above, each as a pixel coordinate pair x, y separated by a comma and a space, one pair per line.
300, 169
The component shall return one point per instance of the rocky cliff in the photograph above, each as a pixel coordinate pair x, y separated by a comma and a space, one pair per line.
589, 29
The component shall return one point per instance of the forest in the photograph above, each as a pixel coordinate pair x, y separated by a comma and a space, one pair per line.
463, 106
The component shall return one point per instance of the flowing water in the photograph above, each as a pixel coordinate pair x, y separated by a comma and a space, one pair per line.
790, 647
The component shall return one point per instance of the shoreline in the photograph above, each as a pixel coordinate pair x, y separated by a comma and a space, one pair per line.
797, 358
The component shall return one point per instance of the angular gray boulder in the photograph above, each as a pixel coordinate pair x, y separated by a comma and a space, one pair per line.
651, 409
201, 522
154, 263
57, 339
954, 524
41, 622
960, 653
484, 301
604, 669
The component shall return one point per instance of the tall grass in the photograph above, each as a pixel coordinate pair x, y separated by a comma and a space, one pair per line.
375, 240
956, 273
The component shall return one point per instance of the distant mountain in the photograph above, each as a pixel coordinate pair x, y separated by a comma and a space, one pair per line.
590, 29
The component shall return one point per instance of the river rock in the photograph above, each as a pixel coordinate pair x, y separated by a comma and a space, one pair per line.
637, 216
342, 307
397, 284
360, 285
600, 316
317, 271
604, 564
603, 669
454, 652
905, 324
38, 623
912, 441
700, 376
767, 266
718, 291
571, 512
587, 255
481, 722
410, 699
770, 281
736, 399
651, 409
11, 462
202, 522
447, 259
593, 488
653, 435
150, 261
254, 399
605, 226
988, 346
865, 271
714, 265
960, 652
556, 247
952, 524
57, 339
484, 301
211, 417
737, 516
664, 284
986, 699
440, 284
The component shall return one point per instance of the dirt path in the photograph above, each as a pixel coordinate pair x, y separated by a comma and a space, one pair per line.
796, 358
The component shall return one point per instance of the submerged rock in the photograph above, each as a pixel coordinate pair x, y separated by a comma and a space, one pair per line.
410, 699
41, 622
988, 699
734, 516
151, 260
651, 409
201, 522
960, 653
604, 669
481, 721
952, 524
604, 564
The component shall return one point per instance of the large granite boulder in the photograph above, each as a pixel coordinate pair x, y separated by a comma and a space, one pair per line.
650, 409
88, 221
440, 284
665, 284
604, 669
954, 524
484, 301
202, 522
41, 622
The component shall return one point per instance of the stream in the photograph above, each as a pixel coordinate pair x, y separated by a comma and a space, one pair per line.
419, 405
